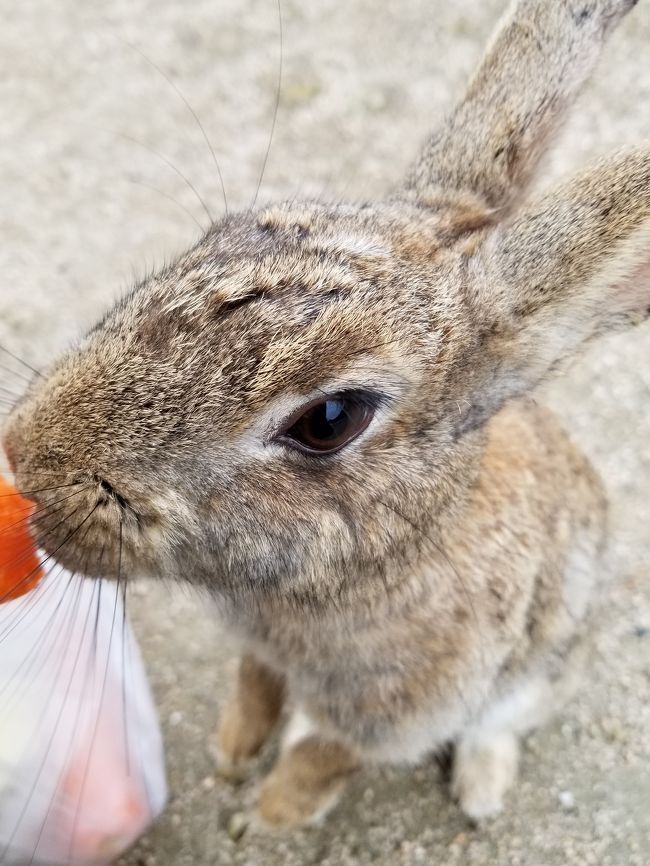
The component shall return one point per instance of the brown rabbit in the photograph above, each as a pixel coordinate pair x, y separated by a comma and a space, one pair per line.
318, 414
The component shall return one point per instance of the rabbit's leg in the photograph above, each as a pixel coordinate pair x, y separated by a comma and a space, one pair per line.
487, 753
249, 715
485, 768
308, 778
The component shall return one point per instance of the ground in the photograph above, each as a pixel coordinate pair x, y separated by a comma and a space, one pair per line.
85, 207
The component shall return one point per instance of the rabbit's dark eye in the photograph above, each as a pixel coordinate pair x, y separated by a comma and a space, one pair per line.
329, 424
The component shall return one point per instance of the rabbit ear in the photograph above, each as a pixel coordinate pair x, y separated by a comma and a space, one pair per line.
533, 69
572, 265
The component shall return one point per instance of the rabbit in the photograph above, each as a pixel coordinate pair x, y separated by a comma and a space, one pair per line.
322, 415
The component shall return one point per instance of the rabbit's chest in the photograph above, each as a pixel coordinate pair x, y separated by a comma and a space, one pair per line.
393, 695
387, 711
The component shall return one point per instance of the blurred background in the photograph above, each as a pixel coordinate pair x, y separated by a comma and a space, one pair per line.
88, 206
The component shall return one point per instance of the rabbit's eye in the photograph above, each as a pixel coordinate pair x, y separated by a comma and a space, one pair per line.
329, 424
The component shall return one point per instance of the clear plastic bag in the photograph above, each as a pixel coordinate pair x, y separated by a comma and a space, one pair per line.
81, 759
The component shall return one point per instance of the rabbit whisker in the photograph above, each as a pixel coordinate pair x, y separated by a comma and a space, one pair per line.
50, 556
75, 727
18, 373
80, 704
61, 710
101, 697
169, 198
22, 493
20, 360
276, 106
188, 106
175, 169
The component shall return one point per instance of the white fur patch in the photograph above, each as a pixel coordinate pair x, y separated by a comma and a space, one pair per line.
580, 579
484, 770
299, 728
523, 708
420, 736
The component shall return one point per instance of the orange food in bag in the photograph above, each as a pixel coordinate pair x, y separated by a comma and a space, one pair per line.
20, 566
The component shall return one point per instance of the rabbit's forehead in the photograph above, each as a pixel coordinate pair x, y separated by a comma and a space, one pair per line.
251, 279
277, 253
271, 303
295, 257
274, 324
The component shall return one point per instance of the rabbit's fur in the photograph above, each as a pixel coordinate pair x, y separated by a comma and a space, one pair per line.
434, 580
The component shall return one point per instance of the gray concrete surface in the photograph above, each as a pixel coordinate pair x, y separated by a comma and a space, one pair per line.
363, 81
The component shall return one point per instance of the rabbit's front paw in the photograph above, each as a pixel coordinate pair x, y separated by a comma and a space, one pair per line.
484, 769
248, 718
239, 739
305, 784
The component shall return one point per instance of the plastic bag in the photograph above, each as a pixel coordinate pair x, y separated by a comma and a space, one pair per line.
81, 758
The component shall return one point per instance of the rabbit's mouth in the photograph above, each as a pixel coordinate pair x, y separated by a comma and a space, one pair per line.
84, 529
90, 528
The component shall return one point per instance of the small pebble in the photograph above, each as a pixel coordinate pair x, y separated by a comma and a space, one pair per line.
237, 826
301, 92
613, 728
567, 800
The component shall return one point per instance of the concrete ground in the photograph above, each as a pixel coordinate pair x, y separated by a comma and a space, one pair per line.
85, 207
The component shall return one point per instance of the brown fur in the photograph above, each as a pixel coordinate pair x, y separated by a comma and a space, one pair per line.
249, 716
305, 782
434, 580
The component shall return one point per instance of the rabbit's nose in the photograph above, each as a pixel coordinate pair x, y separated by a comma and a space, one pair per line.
23, 456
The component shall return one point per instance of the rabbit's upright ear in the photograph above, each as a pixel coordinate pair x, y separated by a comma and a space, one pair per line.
538, 59
570, 266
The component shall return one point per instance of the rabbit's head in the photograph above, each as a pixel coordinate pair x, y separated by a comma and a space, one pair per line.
283, 400
297, 405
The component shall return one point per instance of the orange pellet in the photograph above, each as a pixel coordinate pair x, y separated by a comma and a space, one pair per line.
20, 568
